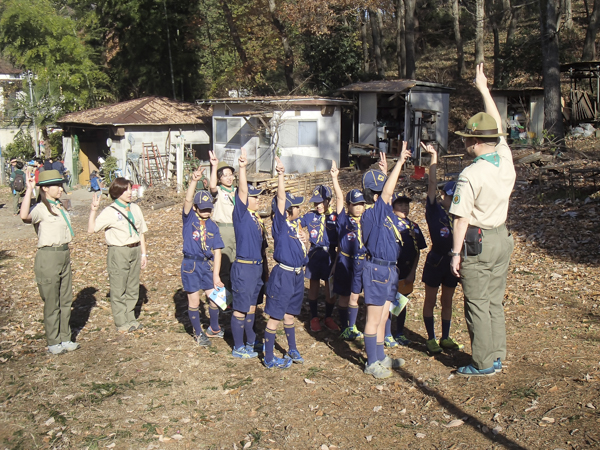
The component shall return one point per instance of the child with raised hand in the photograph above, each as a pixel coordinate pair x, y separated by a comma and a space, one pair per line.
380, 274
285, 288
202, 246
247, 268
437, 265
411, 244
347, 278
52, 265
319, 258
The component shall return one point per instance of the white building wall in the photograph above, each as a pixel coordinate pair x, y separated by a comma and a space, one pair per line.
367, 118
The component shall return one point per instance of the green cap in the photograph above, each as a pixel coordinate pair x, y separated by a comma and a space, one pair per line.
50, 177
481, 125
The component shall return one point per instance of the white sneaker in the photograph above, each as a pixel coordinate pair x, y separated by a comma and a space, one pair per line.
57, 349
70, 346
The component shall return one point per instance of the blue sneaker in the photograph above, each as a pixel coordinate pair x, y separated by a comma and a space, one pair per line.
389, 341
214, 334
472, 371
351, 333
278, 363
258, 347
294, 355
498, 365
402, 340
243, 353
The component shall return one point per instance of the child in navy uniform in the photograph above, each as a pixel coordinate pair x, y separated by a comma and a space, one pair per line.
437, 265
285, 288
247, 268
201, 263
380, 274
347, 278
412, 242
319, 258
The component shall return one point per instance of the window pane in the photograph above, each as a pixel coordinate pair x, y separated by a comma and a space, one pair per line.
235, 135
221, 131
307, 133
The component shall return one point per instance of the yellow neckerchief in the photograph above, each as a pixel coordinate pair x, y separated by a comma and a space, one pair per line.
127, 207
296, 226
321, 225
395, 229
358, 231
202, 231
58, 205
259, 222
369, 206
411, 230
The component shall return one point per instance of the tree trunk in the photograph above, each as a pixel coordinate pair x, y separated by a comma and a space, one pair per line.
460, 53
381, 43
589, 48
376, 41
568, 14
410, 39
553, 123
235, 36
494, 14
479, 17
288, 63
364, 39
513, 20
400, 48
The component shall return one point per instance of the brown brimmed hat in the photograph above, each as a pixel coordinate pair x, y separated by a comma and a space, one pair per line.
49, 178
481, 125
223, 165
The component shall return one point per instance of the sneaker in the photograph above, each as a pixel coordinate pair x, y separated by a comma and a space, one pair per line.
294, 355
351, 333
377, 370
389, 341
126, 328
330, 324
433, 346
243, 353
214, 334
450, 344
57, 349
315, 324
202, 340
278, 363
70, 346
402, 340
498, 365
131, 329
258, 347
392, 363
471, 371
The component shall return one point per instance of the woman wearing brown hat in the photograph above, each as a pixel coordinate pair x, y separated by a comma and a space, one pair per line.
52, 265
124, 227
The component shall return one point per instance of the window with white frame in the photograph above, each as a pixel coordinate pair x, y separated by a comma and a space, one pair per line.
308, 133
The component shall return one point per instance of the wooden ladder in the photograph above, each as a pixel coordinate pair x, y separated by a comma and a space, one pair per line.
154, 168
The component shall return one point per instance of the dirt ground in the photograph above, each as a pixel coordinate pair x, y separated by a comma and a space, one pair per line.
155, 389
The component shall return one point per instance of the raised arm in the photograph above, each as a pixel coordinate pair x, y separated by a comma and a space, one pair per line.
390, 184
214, 164
188, 203
26, 204
243, 186
339, 195
280, 168
432, 187
488, 101
93, 211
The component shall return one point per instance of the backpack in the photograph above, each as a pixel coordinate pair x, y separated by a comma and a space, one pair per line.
19, 182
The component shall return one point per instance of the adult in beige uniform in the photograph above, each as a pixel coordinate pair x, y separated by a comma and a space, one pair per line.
222, 189
124, 227
480, 206
52, 265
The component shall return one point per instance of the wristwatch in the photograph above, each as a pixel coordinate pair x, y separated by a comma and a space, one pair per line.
451, 253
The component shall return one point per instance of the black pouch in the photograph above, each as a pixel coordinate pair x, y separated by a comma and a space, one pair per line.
473, 241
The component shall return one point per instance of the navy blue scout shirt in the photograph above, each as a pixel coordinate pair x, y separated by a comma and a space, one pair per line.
317, 228
440, 227
331, 226
349, 232
248, 233
288, 247
200, 237
379, 235
412, 242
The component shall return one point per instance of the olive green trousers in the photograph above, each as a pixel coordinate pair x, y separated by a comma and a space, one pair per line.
123, 264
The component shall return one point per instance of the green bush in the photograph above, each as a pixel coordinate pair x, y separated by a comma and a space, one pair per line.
21, 147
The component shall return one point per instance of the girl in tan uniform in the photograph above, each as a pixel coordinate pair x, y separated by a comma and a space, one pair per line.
124, 227
53, 259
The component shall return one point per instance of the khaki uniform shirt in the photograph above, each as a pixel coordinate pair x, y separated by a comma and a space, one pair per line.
484, 188
51, 230
117, 228
223, 206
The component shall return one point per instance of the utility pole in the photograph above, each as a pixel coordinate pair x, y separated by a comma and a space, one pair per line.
169, 47
35, 133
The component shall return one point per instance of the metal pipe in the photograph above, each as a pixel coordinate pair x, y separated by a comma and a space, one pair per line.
35, 134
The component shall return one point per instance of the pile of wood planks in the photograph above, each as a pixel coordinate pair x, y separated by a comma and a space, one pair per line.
304, 184
581, 106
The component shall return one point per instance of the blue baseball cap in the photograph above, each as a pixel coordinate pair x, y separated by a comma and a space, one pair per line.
374, 180
320, 194
400, 197
288, 203
449, 188
290, 200
203, 200
355, 196
253, 191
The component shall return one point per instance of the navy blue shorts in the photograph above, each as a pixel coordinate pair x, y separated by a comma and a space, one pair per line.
437, 271
319, 265
380, 283
285, 291
197, 275
347, 278
246, 282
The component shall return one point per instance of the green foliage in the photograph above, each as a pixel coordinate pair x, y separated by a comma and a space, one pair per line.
21, 147
56, 144
44, 105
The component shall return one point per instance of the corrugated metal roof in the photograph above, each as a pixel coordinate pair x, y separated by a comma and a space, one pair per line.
392, 86
8, 68
142, 111
283, 100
